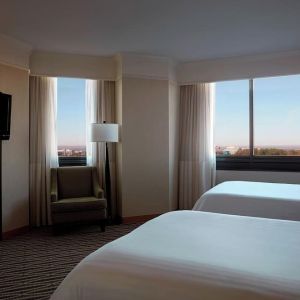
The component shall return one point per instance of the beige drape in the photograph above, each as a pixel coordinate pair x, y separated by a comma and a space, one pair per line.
196, 153
43, 146
100, 102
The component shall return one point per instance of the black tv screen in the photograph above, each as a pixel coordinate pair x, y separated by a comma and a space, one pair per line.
5, 112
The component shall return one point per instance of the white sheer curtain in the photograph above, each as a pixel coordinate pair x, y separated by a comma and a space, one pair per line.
43, 146
197, 163
95, 152
91, 98
100, 106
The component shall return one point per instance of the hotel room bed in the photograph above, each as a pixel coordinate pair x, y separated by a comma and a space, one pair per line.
193, 255
257, 199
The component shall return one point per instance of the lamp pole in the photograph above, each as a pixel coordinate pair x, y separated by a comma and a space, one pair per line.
107, 182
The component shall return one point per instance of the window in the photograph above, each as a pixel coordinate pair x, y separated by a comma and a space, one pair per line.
258, 124
277, 116
71, 128
232, 118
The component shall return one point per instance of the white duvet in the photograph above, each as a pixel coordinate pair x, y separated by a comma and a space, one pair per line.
256, 199
193, 255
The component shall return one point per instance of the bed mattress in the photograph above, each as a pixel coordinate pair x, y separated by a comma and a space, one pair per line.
193, 255
257, 199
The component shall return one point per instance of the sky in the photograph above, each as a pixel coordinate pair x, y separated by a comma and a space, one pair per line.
276, 112
71, 112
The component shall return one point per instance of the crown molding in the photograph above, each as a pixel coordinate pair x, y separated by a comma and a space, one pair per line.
14, 52
133, 65
250, 57
20, 55
43, 63
241, 67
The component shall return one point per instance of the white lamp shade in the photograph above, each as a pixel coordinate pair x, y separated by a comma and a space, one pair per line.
105, 132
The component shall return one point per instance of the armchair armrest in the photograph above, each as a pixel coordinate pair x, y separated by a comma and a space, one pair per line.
53, 186
98, 192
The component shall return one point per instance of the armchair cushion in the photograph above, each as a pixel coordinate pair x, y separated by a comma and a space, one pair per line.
78, 204
75, 182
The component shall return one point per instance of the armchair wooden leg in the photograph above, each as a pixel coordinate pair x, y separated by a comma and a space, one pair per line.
102, 225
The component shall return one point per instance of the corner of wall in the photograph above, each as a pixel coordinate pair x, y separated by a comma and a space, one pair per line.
173, 144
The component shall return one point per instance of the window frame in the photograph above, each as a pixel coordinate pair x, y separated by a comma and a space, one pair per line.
255, 162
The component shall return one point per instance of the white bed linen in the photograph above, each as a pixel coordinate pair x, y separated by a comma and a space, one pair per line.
257, 199
193, 255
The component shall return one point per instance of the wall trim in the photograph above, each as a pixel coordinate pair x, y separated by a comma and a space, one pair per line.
136, 219
17, 231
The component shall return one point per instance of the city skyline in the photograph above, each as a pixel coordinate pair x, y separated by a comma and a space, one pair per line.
79, 151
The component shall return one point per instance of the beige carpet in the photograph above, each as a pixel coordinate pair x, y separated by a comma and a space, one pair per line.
34, 264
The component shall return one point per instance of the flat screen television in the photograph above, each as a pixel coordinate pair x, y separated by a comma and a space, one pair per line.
5, 112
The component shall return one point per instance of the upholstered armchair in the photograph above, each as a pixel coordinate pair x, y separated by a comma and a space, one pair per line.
76, 196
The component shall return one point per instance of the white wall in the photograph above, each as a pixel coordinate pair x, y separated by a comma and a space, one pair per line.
15, 156
147, 109
145, 147
72, 65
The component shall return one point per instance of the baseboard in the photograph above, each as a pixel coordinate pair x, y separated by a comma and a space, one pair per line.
12, 233
136, 219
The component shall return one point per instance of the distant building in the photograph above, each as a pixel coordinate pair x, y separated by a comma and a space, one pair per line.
68, 151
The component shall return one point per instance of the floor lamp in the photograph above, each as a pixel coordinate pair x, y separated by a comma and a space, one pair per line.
107, 133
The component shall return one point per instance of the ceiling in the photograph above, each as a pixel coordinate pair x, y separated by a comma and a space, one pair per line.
185, 30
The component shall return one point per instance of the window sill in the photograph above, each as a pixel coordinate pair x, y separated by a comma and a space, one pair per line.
259, 163
68, 161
